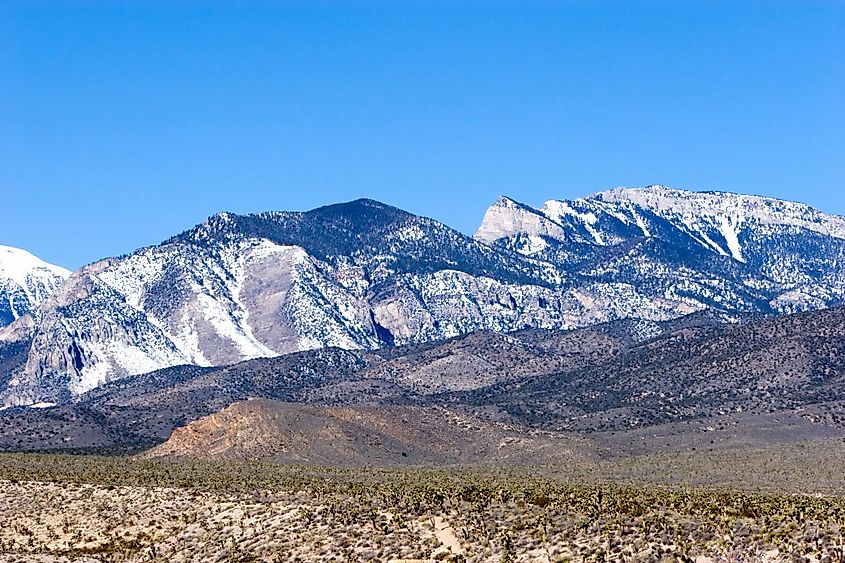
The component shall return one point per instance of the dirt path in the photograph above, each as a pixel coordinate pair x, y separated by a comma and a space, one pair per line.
446, 536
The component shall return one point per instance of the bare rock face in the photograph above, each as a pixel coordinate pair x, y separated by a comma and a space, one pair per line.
364, 275
89, 336
507, 218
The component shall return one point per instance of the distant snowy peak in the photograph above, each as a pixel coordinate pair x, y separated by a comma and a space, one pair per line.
25, 282
21, 267
737, 209
720, 222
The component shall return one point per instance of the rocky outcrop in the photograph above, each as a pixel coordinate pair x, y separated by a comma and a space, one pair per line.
507, 218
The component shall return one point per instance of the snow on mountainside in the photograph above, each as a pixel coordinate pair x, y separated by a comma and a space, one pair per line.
727, 214
355, 275
610, 217
25, 282
364, 275
763, 252
716, 206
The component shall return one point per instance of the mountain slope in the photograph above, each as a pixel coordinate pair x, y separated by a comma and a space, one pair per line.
355, 275
365, 275
144, 409
772, 365
748, 252
630, 385
25, 282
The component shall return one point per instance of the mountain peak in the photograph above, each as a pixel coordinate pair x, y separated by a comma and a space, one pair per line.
505, 201
16, 264
25, 282
738, 210
362, 209
362, 231
507, 217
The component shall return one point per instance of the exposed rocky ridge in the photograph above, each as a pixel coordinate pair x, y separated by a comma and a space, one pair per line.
364, 275
291, 433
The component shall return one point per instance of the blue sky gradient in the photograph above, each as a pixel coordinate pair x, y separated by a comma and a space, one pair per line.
122, 123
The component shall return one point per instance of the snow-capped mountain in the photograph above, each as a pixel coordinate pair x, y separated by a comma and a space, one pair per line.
729, 250
365, 275
25, 282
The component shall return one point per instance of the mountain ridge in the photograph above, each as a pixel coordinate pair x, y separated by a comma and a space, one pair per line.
628, 385
364, 275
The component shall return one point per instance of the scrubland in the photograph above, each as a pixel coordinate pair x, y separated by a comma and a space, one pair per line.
75, 508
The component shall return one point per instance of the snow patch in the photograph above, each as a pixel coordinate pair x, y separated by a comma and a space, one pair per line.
729, 232
556, 210
710, 242
41, 405
533, 245
114, 359
641, 224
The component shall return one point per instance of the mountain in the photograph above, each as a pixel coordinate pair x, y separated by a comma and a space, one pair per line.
25, 282
144, 409
628, 386
728, 251
365, 275
354, 275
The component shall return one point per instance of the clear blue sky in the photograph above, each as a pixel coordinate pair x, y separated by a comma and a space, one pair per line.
122, 123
